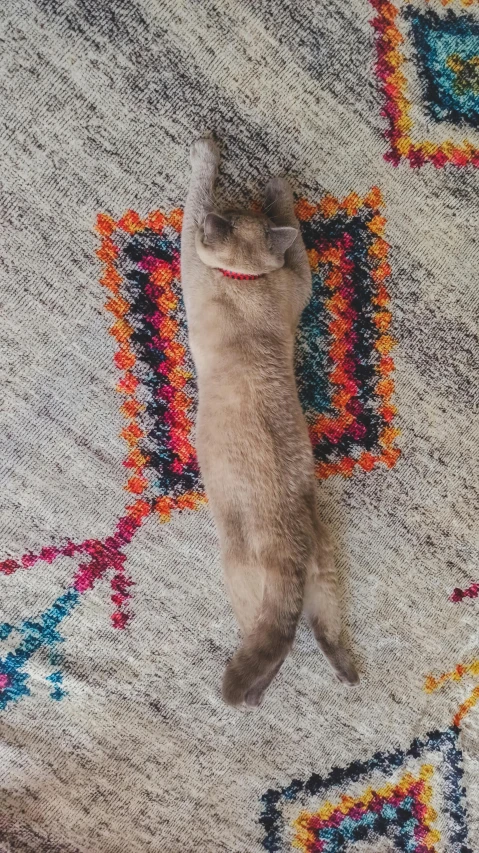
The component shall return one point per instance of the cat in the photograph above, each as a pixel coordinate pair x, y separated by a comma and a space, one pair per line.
246, 279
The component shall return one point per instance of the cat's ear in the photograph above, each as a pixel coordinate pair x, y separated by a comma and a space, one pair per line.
216, 227
282, 237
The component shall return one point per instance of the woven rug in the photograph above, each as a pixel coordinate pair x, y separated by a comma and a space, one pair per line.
114, 624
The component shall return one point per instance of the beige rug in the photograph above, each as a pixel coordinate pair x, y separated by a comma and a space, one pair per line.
114, 625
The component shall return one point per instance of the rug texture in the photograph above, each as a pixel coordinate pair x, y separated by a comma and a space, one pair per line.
114, 624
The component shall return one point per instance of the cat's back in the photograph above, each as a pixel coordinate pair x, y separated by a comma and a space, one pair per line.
250, 422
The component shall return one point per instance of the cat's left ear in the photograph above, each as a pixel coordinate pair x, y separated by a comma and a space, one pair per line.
216, 227
282, 237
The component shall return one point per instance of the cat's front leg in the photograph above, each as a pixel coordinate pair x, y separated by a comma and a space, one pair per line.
204, 157
280, 208
280, 202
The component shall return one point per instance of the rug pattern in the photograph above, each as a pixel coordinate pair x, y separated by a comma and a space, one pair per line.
114, 628
429, 771
428, 65
344, 338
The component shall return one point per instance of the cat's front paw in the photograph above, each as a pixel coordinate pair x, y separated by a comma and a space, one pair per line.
204, 151
279, 189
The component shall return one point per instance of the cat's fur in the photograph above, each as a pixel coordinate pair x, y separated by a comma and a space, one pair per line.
252, 441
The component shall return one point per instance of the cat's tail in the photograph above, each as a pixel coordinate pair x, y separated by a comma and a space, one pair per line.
266, 646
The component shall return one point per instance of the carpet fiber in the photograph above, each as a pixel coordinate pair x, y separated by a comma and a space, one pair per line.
114, 625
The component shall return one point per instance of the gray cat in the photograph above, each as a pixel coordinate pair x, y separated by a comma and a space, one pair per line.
246, 280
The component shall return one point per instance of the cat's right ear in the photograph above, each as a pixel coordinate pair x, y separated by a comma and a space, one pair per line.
215, 227
282, 237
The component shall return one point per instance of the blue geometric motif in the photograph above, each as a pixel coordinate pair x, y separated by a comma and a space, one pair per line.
448, 52
34, 636
311, 350
393, 820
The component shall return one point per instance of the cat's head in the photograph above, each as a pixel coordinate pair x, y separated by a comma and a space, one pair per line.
244, 243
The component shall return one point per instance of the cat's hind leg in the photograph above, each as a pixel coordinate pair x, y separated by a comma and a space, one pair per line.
244, 581
321, 606
265, 647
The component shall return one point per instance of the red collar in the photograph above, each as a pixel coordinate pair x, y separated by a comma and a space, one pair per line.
238, 275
